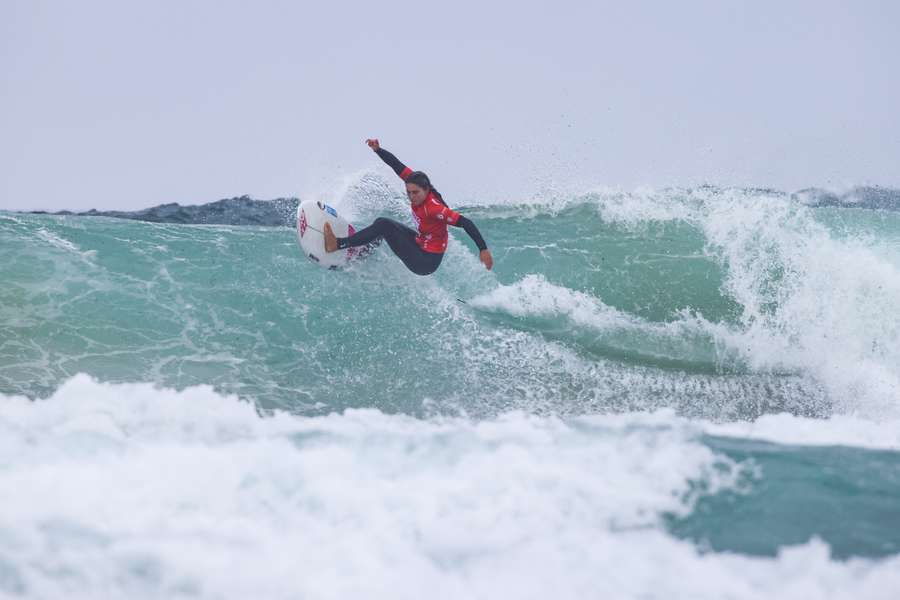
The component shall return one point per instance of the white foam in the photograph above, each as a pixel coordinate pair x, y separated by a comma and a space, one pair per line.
9, 217
837, 430
362, 195
812, 302
688, 337
63, 244
533, 295
132, 491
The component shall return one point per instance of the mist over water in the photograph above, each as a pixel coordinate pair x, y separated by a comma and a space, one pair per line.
644, 379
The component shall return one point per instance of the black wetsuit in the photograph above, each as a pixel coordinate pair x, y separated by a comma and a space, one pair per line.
420, 251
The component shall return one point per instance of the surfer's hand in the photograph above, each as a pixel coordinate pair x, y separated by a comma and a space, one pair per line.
487, 259
373, 144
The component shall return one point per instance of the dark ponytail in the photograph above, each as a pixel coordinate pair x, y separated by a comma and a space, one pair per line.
421, 179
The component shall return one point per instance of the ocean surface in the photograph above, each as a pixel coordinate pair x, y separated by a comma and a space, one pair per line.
681, 393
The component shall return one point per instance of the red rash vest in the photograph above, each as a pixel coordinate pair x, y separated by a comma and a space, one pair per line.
432, 218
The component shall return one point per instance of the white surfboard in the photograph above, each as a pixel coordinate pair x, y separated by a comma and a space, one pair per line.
311, 218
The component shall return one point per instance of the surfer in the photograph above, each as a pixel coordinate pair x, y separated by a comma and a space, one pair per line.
420, 251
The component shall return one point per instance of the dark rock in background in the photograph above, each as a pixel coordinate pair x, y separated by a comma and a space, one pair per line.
241, 210
872, 197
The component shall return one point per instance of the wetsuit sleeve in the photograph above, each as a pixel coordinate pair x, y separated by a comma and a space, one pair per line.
393, 162
470, 228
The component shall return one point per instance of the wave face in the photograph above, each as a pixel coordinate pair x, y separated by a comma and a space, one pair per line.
677, 379
719, 303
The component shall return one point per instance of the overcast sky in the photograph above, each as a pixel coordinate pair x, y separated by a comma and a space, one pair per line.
125, 105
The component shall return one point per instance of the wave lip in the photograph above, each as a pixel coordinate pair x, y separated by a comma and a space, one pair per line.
535, 299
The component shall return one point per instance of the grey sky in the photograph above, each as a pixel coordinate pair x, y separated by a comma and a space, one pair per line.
129, 104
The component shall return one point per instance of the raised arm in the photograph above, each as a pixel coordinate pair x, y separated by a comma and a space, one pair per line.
450, 216
392, 161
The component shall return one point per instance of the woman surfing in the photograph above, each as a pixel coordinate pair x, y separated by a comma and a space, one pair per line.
421, 251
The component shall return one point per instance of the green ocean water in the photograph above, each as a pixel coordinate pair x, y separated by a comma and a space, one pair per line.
714, 307
561, 325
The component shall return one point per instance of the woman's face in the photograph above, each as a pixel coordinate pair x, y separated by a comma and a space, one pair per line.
417, 194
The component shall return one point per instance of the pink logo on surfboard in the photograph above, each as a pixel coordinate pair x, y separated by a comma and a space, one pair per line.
301, 222
352, 251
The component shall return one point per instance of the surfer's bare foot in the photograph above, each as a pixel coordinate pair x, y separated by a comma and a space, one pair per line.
330, 239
